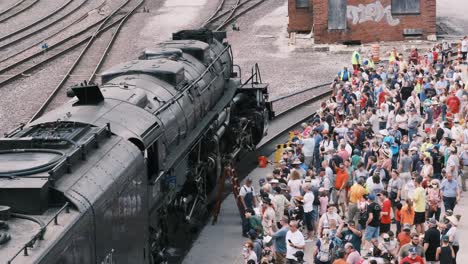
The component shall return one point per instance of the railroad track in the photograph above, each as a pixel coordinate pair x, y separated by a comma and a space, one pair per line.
86, 65
41, 24
228, 11
22, 66
300, 98
32, 47
16, 9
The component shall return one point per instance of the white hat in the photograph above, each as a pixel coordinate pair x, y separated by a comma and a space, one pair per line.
386, 153
453, 219
384, 132
274, 181
297, 162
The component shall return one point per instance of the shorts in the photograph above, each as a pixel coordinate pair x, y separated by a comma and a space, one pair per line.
384, 228
371, 232
315, 213
308, 221
280, 258
339, 197
419, 217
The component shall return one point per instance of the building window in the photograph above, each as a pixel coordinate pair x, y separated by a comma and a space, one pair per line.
337, 14
406, 7
302, 4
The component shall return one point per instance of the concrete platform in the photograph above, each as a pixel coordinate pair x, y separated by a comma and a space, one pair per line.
222, 243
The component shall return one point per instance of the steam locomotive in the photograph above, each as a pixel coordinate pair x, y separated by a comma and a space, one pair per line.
118, 173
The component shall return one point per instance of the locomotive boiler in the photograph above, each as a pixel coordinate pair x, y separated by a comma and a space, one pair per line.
121, 171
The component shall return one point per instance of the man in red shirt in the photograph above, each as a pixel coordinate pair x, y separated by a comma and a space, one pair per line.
385, 219
413, 257
453, 102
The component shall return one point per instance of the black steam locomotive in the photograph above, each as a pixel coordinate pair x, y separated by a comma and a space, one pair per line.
117, 174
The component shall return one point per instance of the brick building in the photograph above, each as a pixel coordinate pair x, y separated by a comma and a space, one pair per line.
354, 21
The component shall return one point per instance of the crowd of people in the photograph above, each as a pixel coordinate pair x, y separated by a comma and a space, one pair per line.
375, 175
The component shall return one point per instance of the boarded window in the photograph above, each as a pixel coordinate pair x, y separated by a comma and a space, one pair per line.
405, 7
302, 3
336, 14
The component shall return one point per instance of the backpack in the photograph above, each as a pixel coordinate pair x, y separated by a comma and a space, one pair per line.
324, 254
361, 138
387, 175
316, 195
363, 216
248, 198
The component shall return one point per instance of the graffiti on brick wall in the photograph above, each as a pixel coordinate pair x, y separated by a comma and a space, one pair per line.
371, 12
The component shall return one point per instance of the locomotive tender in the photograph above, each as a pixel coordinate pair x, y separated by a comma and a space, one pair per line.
115, 174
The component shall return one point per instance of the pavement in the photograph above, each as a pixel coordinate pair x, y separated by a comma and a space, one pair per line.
222, 242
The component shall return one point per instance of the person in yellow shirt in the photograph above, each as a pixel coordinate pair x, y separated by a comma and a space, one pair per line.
419, 199
392, 56
355, 194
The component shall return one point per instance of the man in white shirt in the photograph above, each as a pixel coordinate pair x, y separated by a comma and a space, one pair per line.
308, 208
294, 242
308, 150
464, 49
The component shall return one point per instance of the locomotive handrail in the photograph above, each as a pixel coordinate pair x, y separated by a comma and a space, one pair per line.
255, 77
40, 234
192, 84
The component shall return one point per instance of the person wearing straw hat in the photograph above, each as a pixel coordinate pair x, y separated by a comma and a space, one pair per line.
453, 235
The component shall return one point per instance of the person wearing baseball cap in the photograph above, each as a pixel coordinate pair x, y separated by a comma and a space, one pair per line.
413, 257
431, 241
372, 229
404, 237
405, 250
445, 253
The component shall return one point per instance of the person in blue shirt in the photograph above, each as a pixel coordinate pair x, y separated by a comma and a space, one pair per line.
450, 192
279, 240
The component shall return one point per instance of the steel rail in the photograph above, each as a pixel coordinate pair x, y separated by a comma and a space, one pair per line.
111, 42
37, 22
21, 73
299, 92
53, 35
11, 7
18, 11
49, 99
220, 6
302, 103
231, 13
225, 23
218, 14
